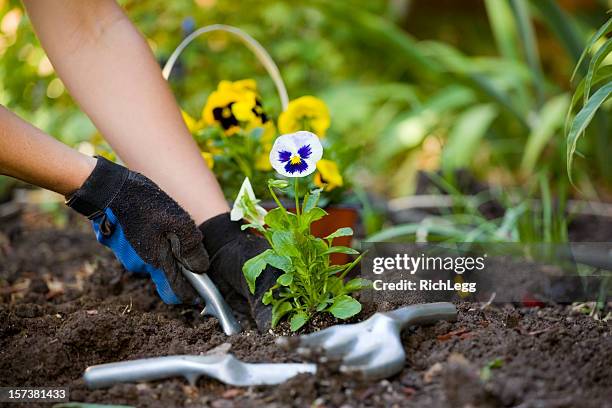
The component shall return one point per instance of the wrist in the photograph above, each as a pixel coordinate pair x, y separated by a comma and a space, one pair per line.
99, 188
219, 231
86, 166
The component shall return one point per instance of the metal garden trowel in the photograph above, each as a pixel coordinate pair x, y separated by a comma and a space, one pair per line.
216, 306
225, 368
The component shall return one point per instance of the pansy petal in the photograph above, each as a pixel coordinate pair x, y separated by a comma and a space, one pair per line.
284, 156
296, 154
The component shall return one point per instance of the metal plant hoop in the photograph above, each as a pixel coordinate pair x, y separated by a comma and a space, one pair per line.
252, 44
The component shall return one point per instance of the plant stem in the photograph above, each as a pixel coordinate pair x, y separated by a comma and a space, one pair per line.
297, 198
275, 198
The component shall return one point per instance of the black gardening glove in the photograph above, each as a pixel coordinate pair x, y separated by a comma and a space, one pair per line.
229, 248
146, 229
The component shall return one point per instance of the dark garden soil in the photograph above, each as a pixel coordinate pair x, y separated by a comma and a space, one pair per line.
66, 304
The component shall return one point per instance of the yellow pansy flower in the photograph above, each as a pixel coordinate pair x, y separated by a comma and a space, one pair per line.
243, 85
243, 110
234, 105
305, 113
328, 175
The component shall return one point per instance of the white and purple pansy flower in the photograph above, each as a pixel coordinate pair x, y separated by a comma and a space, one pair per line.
296, 154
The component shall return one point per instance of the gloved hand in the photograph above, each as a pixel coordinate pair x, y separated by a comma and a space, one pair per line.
146, 229
229, 248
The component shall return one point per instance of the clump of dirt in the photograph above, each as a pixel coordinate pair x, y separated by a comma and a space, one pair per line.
66, 304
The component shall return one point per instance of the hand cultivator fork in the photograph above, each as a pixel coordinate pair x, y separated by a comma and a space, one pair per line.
371, 349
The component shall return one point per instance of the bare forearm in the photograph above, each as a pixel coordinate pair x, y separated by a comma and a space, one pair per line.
30, 155
109, 69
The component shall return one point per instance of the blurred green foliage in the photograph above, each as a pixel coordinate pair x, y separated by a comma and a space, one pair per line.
420, 84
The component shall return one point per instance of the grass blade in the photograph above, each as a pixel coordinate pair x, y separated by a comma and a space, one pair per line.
465, 136
528, 40
582, 120
594, 66
604, 74
547, 208
503, 27
603, 30
551, 118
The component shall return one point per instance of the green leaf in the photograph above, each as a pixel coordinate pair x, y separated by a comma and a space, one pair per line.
279, 262
311, 216
276, 218
351, 265
594, 64
344, 307
323, 305
604, 74
526, 33
465, 137
394, 232
311, 200
340, 232
298, 320
279, 310
408, 130
503, 27
253, 268
283, 243
551, 119
341, 250
582, 121
255, 226
267, 298
319, 245
334, 269
335, 285
603, 30
285, 279
357, 284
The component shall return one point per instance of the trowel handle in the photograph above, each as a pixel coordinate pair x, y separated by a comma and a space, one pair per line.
215, 304
426, 313
147, 369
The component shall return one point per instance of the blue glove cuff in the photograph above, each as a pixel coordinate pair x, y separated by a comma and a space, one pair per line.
128, 257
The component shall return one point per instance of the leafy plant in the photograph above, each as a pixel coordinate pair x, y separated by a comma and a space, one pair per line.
592, 91
309, 284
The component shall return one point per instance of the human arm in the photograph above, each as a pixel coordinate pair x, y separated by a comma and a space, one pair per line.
110, 71
30, 155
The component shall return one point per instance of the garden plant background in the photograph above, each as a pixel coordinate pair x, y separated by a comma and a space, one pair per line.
420, 85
